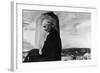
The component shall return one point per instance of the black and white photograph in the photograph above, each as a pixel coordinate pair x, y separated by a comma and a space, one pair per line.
55, 35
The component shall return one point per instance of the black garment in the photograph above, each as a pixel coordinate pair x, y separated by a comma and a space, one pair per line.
51, 50
33, 56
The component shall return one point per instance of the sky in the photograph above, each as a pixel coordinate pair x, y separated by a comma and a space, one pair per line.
75, 28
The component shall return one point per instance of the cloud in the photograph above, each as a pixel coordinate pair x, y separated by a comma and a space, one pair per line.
77, 36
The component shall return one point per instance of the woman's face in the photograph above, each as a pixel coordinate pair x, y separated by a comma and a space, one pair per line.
47, 25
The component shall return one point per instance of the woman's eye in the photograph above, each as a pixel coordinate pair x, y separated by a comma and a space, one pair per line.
44, 26
49, 22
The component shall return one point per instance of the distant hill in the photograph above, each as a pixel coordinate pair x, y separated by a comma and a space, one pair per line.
76, 54
75, 51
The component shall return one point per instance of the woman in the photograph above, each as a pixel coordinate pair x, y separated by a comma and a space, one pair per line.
51, 46
51, 50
